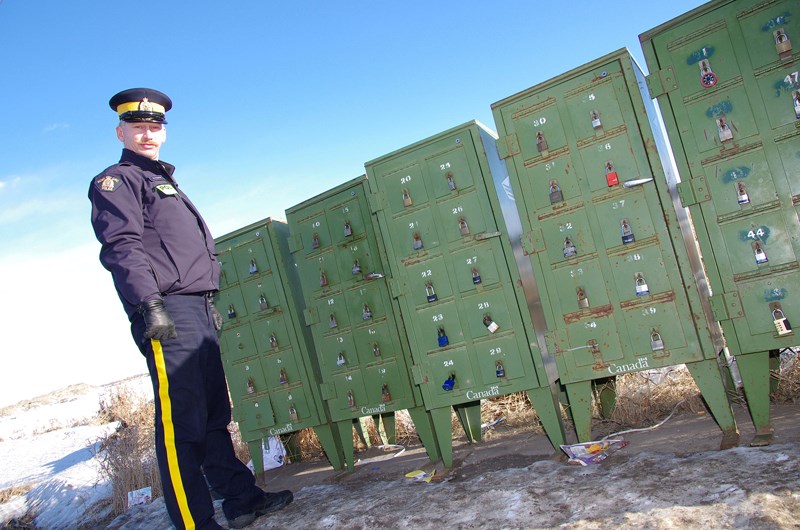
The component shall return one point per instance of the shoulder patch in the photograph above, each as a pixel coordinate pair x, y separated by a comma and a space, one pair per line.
106, 183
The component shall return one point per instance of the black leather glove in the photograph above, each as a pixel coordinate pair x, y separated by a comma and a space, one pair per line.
215, 315
158, 323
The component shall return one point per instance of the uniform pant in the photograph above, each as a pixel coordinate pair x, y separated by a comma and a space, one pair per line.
192, 413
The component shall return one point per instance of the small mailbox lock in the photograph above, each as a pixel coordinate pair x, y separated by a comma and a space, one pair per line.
741, 193
627, 232
407, 198
476, 276
541, 144
417, 241
451, 183
656, 343
430, 294
583, 301
499, 370
462, 226
641, 285
490, 324
443, 340
782, 43
707, 77
556, 195
724, 130
449, 383
569, 248
595, 117
781, 322
760, 254
612, 179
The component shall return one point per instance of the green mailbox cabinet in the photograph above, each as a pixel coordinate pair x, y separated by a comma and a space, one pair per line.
610, 262
360, 343
454, 276
727, 79
265, 354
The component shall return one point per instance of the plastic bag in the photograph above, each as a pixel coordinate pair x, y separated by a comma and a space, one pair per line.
273, 453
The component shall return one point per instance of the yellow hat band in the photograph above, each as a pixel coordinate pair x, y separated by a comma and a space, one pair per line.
135, 106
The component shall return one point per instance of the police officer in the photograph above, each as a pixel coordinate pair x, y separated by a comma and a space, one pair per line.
161, 257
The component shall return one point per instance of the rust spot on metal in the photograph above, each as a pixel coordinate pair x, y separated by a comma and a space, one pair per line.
416, 259
595, 312
659, 298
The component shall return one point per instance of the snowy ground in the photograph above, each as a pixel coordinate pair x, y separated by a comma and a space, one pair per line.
672, 477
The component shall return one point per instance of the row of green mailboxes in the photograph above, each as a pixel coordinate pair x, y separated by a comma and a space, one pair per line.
562, 252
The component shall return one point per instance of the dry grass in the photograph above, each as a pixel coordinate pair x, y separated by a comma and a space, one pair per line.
127, 456
645, 398
642, 399
14, 491
787, 377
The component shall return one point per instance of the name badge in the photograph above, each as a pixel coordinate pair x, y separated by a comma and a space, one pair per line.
166, 190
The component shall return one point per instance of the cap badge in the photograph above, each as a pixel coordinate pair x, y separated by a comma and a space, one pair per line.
145, 105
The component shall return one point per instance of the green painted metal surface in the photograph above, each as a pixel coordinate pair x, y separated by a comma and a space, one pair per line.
454, 276
266, 356
361, 347
607, 248
733, 117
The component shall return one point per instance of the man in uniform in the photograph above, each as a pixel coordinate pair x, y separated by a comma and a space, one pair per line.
161, 256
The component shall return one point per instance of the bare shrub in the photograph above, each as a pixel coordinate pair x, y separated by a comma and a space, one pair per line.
127, 456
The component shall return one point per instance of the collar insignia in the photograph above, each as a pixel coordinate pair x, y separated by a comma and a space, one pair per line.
166, 189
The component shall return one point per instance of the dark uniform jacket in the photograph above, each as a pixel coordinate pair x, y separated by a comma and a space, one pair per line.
154, 241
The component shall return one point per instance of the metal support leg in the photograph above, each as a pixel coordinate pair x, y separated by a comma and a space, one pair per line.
345, 430
547, 408
442, 427
330, 444
386, 427
423, 422
580, 404
469, 414
754, 370
708, 378
606, 392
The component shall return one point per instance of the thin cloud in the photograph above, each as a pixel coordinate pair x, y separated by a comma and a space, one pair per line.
35, 208
55, 126
10, 182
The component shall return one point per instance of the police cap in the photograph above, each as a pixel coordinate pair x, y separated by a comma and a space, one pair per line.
141, 104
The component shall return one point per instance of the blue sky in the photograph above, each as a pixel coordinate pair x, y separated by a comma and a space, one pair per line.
274, 103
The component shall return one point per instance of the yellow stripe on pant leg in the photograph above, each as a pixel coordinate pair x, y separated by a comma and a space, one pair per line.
169, 435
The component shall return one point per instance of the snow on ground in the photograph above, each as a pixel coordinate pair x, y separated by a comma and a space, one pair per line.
51, 443
501, 483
